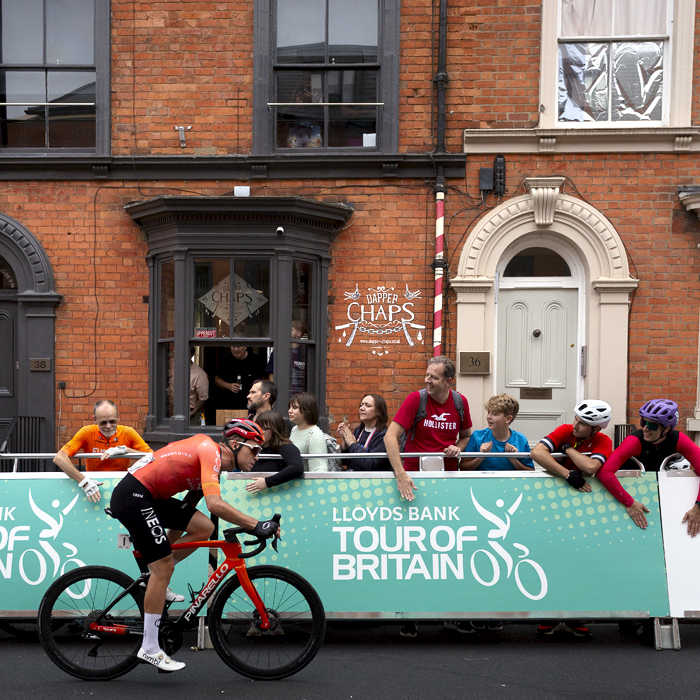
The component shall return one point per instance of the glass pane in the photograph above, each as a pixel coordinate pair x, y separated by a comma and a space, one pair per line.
634, 17
352, 127
22, 31
251, 299
537, 262
301, 31
167, 300
352, 86
583, 82
302, 298
299, 86
353, 31
23, 125
70, 33
7, 276
299, 127
637, 85
586, 18
201, 360
168, 352
211, 298
71, 126
236, 368
299, 364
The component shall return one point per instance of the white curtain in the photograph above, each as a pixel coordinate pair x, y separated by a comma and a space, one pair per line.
613, 17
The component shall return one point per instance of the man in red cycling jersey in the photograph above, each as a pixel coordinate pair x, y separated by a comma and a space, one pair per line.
656, 440
143, 502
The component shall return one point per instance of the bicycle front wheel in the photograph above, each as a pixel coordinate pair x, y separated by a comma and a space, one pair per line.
298, 624
76, 600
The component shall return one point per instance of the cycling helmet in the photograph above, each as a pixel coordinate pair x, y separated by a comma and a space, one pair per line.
661, 411
593, 412
245, 429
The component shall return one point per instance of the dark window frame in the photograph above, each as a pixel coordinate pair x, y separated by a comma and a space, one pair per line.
264, 126
102, 69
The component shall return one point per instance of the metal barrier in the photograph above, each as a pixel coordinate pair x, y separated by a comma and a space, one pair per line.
23, 435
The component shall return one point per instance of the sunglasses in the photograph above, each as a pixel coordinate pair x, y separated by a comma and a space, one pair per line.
255, 449
102, 423
650, 426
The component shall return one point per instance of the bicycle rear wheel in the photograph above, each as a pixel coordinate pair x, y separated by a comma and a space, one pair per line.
78, 599
296, 633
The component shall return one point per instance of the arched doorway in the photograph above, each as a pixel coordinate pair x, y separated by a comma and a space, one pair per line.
599, 280
27, 315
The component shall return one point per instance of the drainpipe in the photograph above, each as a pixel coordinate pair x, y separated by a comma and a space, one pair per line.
439, 264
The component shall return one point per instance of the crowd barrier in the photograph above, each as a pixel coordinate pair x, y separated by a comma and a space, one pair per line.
507, 545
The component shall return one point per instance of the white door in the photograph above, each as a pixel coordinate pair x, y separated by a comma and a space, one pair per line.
537, 360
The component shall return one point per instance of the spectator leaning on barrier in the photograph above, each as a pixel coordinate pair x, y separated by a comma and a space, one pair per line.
368, 436
261, 398
306, 435
444, 426
655, 441
586, 450
498, 437
585, 447
106, 436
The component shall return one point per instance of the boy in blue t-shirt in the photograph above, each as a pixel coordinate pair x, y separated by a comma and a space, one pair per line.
498, 437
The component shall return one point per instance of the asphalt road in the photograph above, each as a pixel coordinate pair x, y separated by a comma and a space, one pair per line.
361, 661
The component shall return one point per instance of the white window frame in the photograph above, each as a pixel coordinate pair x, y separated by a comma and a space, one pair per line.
678, 73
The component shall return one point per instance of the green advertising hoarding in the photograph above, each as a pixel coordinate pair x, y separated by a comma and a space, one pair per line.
468, 545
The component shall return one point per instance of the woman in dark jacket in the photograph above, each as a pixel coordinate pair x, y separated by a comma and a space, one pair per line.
369, 436
288, 467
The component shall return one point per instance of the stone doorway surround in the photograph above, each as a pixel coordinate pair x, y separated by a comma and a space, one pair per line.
543, 214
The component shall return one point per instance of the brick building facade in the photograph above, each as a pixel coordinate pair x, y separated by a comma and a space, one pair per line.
112, 215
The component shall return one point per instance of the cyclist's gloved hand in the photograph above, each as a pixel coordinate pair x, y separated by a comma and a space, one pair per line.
575, 479
563, 448
266, 529
114, 451
91, 488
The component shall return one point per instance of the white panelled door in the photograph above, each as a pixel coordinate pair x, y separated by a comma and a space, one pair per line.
537, 360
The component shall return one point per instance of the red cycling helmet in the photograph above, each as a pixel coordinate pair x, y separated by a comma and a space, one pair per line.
244, 428
662, 411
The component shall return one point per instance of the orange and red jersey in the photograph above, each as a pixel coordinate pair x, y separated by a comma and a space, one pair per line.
90, 440
184, 465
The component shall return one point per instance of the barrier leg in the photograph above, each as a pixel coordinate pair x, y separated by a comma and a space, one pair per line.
666, 636
203, 639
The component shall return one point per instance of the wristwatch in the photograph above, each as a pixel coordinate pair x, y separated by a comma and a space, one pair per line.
697, 503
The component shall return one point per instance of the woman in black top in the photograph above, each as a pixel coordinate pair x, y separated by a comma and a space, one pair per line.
369, 436
288, 467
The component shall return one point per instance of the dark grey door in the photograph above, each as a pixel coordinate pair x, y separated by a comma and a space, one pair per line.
8, 361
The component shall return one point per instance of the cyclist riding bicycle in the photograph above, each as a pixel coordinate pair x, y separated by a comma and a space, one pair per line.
143, 502
655, 441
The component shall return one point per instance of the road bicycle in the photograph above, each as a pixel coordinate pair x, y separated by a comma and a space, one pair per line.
265, 622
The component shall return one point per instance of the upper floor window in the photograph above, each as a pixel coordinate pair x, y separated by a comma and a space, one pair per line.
331, 74
613, 57
50, 69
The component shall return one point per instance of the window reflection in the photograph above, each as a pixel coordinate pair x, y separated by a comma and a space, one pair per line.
167, 299
537, 262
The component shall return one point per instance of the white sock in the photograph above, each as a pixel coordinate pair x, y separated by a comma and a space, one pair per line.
151, 623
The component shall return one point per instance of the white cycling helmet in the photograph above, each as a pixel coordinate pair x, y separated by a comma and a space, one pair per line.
594, 412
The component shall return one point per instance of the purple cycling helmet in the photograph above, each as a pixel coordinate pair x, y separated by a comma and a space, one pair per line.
663, 411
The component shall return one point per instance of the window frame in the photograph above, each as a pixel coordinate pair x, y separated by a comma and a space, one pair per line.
102, 70
264, 126
678, 60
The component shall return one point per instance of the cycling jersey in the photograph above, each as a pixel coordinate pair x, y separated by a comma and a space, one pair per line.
89, 440
184, 465
650, 455
598, 446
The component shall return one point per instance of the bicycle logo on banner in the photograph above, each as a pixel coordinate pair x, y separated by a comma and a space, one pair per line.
499, 532
48, 559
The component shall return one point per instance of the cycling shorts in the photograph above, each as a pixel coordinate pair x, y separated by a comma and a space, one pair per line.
147, 518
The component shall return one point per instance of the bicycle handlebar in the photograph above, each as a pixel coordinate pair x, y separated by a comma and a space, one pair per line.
231, 535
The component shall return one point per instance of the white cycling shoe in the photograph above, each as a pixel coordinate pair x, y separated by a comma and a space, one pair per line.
172, 597
160, 660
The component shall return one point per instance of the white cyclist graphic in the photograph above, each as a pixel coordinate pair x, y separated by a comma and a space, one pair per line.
50, 533
499, 533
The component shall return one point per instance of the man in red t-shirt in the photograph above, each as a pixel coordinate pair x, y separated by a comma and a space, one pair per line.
585, 447
441, 430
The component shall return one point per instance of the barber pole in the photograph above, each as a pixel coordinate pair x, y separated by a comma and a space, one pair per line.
437, 310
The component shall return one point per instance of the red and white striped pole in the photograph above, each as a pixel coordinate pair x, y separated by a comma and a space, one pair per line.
438, 267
